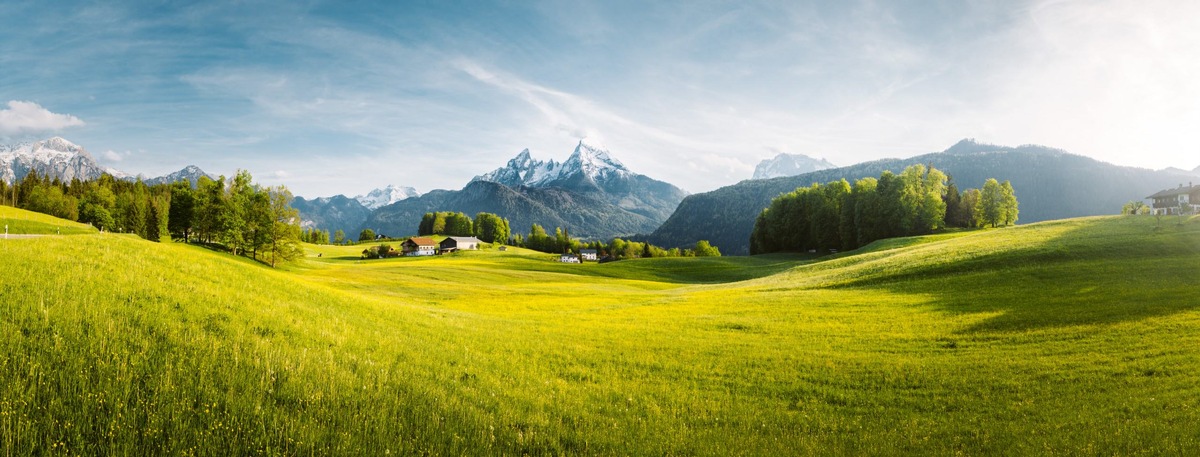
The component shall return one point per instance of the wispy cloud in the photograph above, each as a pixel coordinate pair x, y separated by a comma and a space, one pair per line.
28, 118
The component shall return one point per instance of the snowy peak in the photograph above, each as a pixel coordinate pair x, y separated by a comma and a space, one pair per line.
789, 165
387, 195
588, 160
190, 173
55, 157
592, 160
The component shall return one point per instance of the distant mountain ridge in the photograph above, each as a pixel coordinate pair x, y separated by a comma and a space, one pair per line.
591, 194
789, 165
1050, 184
58, 158
386, 196
338, 212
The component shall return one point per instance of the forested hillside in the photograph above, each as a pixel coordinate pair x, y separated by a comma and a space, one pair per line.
586, 215
1050, 183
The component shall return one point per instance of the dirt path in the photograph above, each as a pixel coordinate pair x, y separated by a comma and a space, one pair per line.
13, 236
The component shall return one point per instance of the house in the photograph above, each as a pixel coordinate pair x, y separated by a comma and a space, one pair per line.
459, 243
418, 246
503, 248
589, 254
568, 258
1171, 200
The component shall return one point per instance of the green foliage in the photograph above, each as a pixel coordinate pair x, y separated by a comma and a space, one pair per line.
445, 223
836, 216
703, 249
366, 235
491, 228
339, 237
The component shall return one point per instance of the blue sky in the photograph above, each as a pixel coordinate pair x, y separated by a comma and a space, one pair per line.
346, 96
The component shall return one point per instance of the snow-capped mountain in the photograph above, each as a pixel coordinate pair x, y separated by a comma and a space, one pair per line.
589, 161
789, 165
591, 194
190, 173
55, 157
386, 196
62, 159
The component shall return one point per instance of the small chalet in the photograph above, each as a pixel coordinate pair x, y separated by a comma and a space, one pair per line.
568, 258
459, 243
418, 246
1171, 200
589, 254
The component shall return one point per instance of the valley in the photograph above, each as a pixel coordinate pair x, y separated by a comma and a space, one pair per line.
1052, 338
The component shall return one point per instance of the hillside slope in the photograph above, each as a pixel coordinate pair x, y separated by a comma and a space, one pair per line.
583, 214
1050, 184
1054, 338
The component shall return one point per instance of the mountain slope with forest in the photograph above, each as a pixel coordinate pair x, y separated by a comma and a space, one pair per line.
591, 194
1050, 184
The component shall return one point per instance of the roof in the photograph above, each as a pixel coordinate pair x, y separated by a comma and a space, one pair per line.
587, 251
422, 241
463, 239
1176, 191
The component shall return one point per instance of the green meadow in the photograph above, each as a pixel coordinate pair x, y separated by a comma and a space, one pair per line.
1075, 337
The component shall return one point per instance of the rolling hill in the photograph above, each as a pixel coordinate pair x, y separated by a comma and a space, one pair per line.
1061, 337
1050, 184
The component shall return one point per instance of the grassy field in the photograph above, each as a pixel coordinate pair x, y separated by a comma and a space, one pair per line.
21, 222
1069, 337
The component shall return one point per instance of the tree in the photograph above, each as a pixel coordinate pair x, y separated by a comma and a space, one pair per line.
704, 249
1008, 201
284, 244
966, 209
491, 228
366, 235
426, 226
991, 203
183, 210
953, 199
339, 237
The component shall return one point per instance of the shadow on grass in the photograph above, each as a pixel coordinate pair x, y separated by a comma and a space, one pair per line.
1102, 273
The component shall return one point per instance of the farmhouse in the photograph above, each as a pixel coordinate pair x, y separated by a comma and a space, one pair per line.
419, 246
459, 243
588, 254
568, 258
1171, 200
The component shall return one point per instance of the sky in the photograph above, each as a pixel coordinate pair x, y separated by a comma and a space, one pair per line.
342, 97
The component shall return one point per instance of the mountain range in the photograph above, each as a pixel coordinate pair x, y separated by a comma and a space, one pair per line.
591, 194
789, 165
594, 195
58, 158
1050, 184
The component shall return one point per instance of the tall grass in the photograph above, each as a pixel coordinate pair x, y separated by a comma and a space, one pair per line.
1073, 337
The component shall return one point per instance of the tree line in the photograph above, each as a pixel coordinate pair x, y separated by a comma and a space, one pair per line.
561, 242
236, 214
488, 227
838, 216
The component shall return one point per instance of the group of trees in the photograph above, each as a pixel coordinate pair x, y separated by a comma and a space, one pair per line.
561, 242
106, 203
317, 236
840, 216
244, 217
488, 227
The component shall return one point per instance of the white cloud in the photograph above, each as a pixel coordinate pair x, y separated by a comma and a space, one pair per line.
23, 118
115, 156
